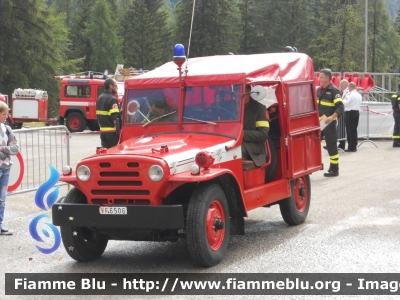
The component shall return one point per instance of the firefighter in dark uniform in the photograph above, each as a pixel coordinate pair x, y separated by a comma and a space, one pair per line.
396, 116
256, 127
107, 111
330, 104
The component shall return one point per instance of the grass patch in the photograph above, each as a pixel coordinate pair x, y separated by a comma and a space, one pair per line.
34, 124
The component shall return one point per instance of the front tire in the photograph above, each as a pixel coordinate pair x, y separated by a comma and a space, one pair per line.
294, 209
81, 243
207, 225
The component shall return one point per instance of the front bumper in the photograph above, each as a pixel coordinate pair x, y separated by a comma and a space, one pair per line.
137, 217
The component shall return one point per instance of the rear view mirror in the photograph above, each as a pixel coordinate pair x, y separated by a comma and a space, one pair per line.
258, 92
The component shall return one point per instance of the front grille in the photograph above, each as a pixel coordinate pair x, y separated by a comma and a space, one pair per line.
99, 201
121, 202
105, 165
120, 192
120, 183
119, 174
133, 165
132, 201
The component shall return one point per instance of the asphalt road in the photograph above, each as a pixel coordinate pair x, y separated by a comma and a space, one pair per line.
353, 226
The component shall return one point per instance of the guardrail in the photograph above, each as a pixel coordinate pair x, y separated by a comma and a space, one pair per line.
40, 147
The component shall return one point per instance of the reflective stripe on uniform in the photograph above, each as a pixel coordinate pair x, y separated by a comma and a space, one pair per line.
102, 112
396, 136
107, 128
325, 103
262, 124
337, 100
107, 113
334, 159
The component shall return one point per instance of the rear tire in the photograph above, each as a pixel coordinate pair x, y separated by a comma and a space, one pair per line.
294, 209
76, 122
81, 243
207, 225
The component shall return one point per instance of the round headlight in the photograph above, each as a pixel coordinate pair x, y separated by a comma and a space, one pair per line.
83, 173
156, 173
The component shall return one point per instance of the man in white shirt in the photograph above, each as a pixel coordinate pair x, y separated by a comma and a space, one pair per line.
344, 89
352, 106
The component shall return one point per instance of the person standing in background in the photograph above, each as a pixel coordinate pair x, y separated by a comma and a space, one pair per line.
344, 88
330, 105
352, 106
107, 111
8, 147
396, 115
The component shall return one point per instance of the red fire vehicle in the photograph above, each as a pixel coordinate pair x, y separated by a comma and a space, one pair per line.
78, 96
186, 178
28, 105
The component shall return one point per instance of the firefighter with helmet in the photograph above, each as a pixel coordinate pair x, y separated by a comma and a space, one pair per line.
396, 115
330, 105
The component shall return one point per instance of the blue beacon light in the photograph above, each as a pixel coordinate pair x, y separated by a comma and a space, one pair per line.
179, 55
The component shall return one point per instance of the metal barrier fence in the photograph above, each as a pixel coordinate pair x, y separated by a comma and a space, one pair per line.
363, 130
40, 147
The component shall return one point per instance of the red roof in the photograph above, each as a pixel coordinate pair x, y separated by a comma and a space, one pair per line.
233, 68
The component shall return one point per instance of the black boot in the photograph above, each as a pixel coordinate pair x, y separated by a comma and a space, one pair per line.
333, 171
396, 144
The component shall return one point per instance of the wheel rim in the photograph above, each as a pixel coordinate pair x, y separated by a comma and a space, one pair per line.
74, 123
300, 194
215, 214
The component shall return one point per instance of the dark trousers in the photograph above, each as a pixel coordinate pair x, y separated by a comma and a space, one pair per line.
352, 118
396, 130
330, 134
109, 139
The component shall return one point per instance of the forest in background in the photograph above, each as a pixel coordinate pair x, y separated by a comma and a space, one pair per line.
43, 38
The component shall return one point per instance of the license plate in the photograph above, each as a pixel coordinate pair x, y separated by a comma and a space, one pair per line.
113, 210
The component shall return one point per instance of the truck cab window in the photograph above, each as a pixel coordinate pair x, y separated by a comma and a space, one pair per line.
77, 91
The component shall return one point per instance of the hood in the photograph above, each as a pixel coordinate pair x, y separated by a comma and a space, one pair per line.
179, 150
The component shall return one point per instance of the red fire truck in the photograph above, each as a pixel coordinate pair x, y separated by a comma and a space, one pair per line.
78, 96
186, 178
28, 105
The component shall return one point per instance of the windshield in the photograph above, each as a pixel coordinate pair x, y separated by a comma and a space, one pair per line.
211, 103
156, 105
207, 104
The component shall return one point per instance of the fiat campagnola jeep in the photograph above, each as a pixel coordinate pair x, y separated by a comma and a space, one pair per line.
182, 175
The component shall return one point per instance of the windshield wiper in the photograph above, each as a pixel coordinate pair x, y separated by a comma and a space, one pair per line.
144, 125
203, 121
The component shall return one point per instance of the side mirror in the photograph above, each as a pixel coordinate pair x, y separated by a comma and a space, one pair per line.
258, 92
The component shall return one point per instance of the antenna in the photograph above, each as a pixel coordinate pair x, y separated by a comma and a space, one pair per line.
190, 35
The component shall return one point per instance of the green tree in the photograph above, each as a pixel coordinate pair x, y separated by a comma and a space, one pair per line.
341, 48
81, 47
383, 41
33, 44
213, 27
142, 47
102, 33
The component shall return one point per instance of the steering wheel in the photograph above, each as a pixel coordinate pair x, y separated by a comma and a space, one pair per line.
214, 108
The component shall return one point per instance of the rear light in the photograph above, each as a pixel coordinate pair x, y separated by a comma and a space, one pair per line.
204, 159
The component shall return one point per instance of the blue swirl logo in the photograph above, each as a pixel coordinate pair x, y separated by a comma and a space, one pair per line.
40, 230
